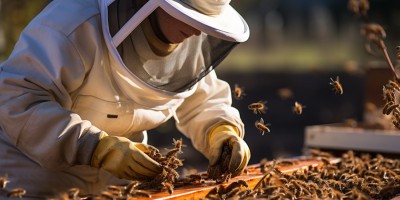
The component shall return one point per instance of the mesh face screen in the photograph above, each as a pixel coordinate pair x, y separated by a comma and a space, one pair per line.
178, 71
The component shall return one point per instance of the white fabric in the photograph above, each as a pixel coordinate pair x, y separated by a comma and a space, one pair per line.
228, 25
57, 93
208, 7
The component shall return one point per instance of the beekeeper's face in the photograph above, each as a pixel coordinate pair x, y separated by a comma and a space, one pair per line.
174, 30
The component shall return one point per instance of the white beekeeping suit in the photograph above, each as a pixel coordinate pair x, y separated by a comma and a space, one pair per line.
79, 76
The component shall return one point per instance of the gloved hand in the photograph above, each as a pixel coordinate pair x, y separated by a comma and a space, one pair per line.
124, 158
228, 134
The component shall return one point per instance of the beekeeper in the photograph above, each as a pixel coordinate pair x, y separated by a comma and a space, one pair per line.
87, 78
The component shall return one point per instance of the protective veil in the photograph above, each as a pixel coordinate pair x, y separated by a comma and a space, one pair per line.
180, 66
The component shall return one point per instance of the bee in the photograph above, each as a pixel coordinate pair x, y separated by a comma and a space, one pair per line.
261, 126
176, 161
354, 6
258, 107
178, 143
169, 187
213, 193
173, 152
233, 192
18, 192
238, 184
285, 93
337, 87
393, 85
3, 182
238, 92
364, 7
73, 193
298, 108
286, 162
116, 190
195, 178
243, 183
389, 107
388, 94
359, 7
131, 186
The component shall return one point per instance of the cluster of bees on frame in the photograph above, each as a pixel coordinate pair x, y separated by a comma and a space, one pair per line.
219, 172
260, 106
170, 162
356, 177
164, 181
375, 35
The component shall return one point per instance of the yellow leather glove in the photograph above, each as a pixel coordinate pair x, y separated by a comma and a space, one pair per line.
229, 134
124, 158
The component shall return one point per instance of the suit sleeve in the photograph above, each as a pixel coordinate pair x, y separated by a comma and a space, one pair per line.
35, 86
210, 105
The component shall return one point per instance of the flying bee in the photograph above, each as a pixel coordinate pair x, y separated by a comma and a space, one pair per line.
298, 108
261, 126
337, 86
3, 182
354, 6
359, 7
285, 93
238, 92
18, 192
258, 107
364, 7
178, 143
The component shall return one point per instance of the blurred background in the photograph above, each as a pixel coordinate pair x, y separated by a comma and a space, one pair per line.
295, 48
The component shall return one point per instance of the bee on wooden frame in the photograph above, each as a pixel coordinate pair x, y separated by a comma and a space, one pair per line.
393, 85
337, 86
258, 108
261, 126
238, 92
298, 108
73, 193
169, 187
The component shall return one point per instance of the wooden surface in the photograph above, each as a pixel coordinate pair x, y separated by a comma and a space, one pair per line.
253, 176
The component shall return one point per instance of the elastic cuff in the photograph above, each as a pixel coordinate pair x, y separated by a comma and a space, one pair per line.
224, 127
87, 145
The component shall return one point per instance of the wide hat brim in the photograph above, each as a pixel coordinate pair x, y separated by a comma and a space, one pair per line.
228, 25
